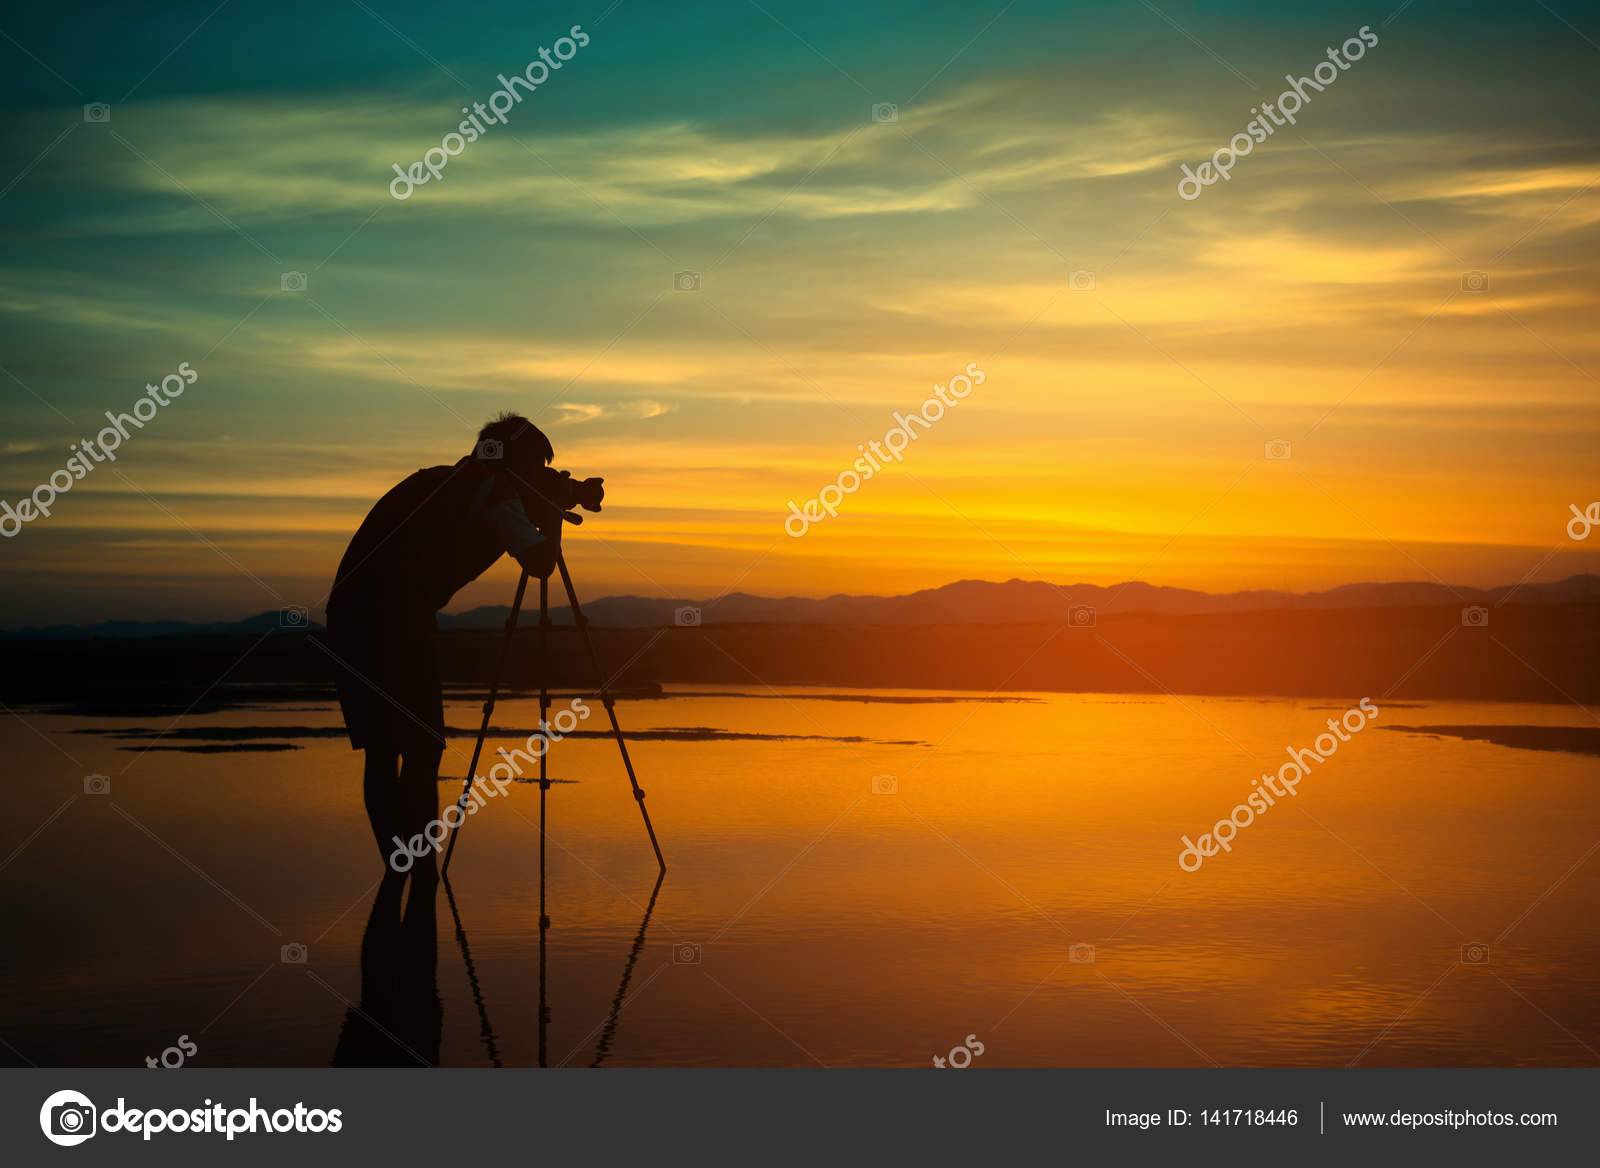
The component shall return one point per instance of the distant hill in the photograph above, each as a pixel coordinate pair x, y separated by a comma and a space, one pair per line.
963, 603
273, 620
1019, 602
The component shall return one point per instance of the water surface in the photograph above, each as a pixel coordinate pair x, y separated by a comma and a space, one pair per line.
852, 881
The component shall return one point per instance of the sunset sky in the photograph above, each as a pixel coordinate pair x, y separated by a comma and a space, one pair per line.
846, 266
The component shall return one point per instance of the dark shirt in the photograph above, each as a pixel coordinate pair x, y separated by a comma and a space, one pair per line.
430, 535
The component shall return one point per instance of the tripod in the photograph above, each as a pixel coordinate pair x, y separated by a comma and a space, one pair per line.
610, 703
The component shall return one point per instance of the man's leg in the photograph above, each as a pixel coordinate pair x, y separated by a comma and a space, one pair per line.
380, 789
419, 798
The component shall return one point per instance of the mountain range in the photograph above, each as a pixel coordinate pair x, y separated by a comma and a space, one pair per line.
1020, 602
961, 603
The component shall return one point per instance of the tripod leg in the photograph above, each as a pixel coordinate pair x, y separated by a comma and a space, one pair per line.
609, 1030
544, 728
544, 787
488, 709
609, 702
485, 1031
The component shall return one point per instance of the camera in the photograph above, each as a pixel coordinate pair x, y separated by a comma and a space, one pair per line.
885, 111
687, 618
293, 282
293, 953
685, 954
1475, 953
97, 784
550, 496
97, 111
686, 281
1278, 449
1475, 616
1081, 281
1081, 616
1081, 954
72, 1119
295, 616
1474, 281
885, 785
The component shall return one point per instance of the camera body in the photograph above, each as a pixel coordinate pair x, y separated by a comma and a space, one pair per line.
550, 497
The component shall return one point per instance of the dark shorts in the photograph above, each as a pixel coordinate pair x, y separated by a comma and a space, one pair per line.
387, 672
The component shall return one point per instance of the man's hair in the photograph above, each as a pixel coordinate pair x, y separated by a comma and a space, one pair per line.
520, 439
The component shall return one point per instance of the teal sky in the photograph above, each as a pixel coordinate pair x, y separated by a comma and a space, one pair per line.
845, 266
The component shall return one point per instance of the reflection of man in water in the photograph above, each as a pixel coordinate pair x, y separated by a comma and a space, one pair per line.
399, 1019
429, 536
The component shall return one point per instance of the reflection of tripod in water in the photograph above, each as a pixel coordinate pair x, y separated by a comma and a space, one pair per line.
582, 623
608, 1029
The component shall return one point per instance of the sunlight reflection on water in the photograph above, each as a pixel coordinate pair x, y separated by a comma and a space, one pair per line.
806, 919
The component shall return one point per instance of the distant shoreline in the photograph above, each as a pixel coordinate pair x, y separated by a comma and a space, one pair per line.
1536, 652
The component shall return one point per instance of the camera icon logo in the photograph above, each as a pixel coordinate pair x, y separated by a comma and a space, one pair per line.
685, 954
885, 111
293, 953
1081, 281
1081, 616
1475, 953
294, 616
1474, 281
97, 784
1081, 954
686, 617
293, 281
97, 111
490, 449
686, 281
885, 785
1475, 616
1278, 449
67, 1118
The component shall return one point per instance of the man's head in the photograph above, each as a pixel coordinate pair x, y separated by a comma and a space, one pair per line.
513, 442
515, 446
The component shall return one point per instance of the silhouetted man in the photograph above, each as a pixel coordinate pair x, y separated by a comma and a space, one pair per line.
436, 531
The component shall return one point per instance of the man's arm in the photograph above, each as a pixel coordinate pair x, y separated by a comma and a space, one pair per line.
522, 539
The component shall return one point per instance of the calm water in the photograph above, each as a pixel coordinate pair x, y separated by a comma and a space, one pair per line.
807, 920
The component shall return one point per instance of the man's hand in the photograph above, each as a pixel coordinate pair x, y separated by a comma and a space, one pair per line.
540, 559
